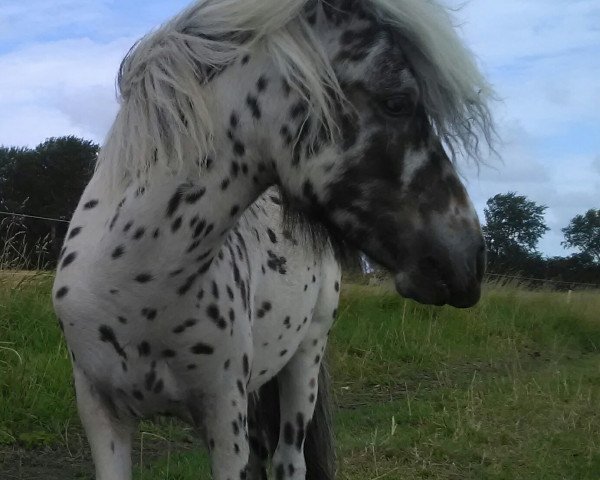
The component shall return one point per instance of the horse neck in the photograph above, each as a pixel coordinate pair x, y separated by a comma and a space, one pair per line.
251, 151
228, 186
241, 167
259, 125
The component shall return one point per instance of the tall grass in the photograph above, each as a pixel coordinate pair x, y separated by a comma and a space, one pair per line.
16, 250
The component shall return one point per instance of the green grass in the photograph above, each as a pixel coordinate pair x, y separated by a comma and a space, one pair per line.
507, 390
36, 397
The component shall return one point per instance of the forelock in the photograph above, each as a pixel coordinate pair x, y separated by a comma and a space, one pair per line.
454, 91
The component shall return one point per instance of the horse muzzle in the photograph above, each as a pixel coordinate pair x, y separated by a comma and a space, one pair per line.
434, 280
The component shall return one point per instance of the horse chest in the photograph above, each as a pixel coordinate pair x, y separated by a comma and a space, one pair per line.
161, 321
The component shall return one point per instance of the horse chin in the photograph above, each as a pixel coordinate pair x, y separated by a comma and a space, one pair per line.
422, 289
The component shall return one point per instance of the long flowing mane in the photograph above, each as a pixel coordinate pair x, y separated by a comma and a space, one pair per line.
164, 81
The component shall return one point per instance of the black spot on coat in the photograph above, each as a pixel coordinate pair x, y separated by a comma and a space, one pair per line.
202, 349
107, 334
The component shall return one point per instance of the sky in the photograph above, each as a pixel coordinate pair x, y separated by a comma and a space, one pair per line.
59, 58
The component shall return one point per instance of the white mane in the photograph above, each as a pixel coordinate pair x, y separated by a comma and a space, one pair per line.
163, 90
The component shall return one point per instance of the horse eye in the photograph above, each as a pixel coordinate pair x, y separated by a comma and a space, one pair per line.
398, 105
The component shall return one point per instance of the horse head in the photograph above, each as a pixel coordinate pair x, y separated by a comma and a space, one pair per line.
386, 185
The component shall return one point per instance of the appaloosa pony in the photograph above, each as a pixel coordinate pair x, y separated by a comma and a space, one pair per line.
181, 287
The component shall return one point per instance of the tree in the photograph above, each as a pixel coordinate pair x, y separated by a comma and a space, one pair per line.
49, 178
45, 181
583, 233
514, 226
10, 159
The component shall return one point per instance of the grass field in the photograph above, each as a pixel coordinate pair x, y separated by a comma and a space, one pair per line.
507, 390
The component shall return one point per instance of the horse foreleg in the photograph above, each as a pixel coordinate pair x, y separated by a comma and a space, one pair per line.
109, 438
263, 429
298, 387
226, 430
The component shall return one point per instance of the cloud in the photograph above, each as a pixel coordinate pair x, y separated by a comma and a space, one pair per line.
92, 108
543, 58
39, 68
502, 33
30, 125
549, 93
59, 60
26, 21
64, 84
517, 161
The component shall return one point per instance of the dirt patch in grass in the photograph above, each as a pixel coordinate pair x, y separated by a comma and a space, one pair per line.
47, 463
74, 460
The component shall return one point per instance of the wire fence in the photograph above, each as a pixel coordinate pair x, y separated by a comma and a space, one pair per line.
541, 280
498, 276
24, 215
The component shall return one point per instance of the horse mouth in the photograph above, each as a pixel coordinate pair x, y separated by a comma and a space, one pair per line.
435, 291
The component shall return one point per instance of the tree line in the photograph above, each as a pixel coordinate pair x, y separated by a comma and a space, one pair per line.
47, 181
513, 228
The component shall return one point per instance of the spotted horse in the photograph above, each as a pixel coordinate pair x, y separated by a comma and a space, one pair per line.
257, 140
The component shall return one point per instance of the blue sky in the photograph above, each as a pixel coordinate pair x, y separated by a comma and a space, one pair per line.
58, 61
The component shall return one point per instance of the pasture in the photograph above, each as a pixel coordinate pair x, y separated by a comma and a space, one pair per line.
509, 389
